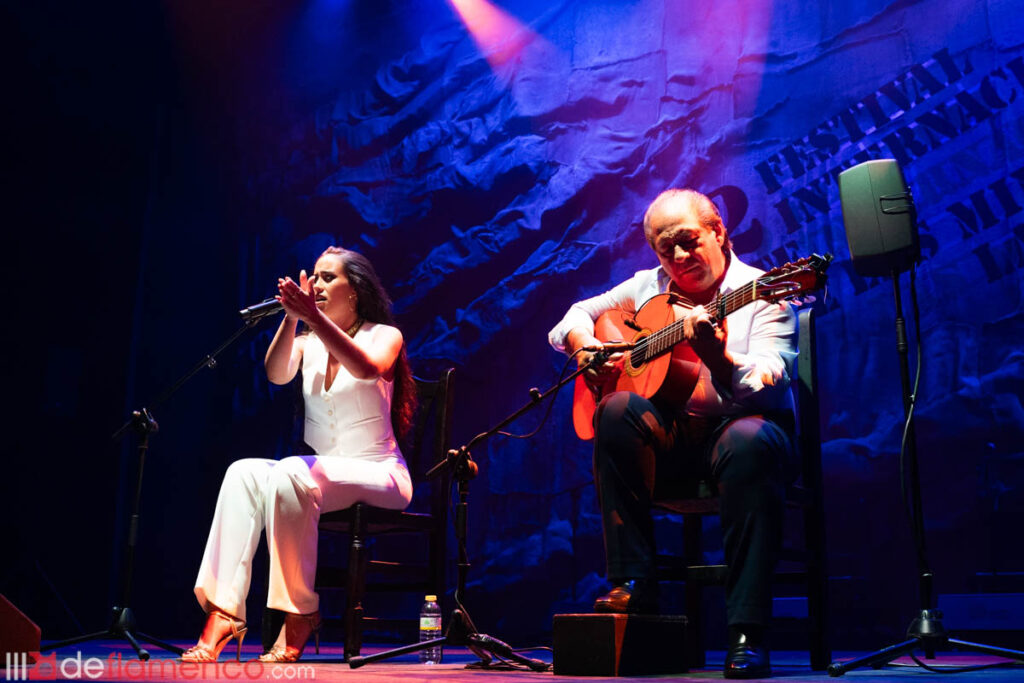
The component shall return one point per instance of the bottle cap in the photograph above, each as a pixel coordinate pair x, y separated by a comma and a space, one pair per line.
431, 598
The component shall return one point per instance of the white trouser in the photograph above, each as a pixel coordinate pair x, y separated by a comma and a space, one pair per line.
287, 496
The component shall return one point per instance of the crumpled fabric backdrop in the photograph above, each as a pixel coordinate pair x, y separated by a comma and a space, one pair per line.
497, 175
494, 181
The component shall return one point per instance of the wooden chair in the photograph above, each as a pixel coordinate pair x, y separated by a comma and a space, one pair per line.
428, 443
805, 495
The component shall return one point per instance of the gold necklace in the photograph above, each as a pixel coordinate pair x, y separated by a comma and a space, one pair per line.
355, 328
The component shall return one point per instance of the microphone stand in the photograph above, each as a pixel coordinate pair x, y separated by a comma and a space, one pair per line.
123, 625
461, 631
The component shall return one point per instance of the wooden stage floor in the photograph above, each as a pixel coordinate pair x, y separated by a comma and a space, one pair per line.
120, 664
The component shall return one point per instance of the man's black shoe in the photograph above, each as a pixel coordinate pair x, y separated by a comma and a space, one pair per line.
636, 596
747, 656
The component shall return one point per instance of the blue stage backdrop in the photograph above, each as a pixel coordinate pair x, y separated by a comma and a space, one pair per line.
495, 166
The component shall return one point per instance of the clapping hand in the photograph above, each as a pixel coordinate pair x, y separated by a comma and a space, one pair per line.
298, 300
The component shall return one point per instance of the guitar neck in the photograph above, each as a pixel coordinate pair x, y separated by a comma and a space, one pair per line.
720, 307
783, 283
725, 305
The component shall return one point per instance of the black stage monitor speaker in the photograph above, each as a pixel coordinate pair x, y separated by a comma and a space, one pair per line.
18, 634
881, 225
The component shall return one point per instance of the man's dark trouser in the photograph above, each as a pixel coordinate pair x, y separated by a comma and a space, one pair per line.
642, 453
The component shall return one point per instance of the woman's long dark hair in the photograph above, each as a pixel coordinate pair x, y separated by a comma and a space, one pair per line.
374, 305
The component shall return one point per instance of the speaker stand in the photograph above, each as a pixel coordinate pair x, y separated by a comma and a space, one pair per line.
926, 631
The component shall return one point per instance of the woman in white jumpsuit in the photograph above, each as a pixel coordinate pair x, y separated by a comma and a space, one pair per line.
353, 363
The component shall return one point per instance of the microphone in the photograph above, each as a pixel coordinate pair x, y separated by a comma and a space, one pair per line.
610, 347
261, 310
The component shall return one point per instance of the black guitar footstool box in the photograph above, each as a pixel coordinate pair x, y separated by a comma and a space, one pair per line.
618, 644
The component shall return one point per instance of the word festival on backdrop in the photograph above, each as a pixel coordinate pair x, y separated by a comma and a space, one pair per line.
911, 118
32, 666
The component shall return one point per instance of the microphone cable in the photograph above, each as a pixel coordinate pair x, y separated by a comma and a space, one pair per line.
551, 404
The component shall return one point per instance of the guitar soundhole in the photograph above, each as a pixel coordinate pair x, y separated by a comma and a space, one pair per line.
637, 356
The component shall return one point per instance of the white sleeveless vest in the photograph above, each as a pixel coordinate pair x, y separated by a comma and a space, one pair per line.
353, 417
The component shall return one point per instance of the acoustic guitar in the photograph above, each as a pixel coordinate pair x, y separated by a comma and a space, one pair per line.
655, 363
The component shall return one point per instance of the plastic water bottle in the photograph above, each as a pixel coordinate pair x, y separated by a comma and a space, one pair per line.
430, 628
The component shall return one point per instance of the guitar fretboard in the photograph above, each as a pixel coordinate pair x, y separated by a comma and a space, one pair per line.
785, 282
663, 340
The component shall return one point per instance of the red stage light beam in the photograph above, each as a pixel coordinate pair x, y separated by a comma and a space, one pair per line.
499, 36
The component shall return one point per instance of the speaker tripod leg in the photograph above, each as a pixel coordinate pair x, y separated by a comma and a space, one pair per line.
987, 649
875, 660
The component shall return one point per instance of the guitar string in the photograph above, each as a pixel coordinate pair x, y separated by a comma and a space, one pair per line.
730, 301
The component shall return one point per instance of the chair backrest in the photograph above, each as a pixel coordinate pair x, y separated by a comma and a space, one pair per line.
428, 439
808, 411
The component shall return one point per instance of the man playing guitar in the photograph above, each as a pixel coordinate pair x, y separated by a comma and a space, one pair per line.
731, 424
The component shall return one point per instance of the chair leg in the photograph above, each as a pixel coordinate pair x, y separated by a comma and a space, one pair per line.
273, 620
817, 587
357, 562
821, 653
437, 561
694, 595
